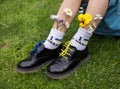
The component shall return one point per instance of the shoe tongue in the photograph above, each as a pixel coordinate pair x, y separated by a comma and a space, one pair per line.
71, 51
73, 48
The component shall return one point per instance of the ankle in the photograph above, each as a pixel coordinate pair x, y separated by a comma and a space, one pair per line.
54, 39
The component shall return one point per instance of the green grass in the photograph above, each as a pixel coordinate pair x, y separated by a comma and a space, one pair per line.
25, 22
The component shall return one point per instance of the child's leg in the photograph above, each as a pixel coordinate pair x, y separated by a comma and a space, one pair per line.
70, 58
80, 39
58, 30
71, 4
97, 7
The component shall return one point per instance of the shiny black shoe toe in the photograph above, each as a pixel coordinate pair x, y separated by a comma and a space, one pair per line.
68, 60
39, 56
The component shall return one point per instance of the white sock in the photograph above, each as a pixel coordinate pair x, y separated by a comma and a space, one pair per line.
80, 39
54, 39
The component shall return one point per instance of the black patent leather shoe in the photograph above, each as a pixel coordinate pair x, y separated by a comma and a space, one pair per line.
39, 56
68, 60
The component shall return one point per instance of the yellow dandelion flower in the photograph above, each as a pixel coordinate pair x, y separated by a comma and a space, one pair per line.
84, 19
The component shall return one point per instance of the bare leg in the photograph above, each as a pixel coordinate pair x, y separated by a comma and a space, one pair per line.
71, 4
97, 7
54, 39
81, 38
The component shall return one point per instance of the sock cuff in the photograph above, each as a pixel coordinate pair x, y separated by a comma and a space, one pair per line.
83, 32
56, 32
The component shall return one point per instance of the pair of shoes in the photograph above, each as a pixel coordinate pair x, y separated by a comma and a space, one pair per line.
64, 61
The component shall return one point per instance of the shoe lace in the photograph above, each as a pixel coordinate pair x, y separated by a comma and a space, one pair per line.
37, 48
64, 52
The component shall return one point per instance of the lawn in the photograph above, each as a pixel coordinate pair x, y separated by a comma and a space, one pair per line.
23, 23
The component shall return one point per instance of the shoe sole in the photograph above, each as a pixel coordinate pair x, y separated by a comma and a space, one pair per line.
67, 74
32, 70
